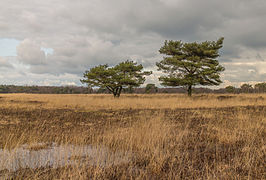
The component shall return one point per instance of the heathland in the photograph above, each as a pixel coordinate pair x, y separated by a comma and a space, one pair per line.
156, 136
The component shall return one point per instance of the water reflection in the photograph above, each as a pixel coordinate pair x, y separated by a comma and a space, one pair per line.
57, 156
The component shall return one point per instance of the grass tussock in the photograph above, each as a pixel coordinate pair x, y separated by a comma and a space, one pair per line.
156, 136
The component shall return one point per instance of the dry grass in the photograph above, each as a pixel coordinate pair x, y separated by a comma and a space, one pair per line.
153, 101
163, 136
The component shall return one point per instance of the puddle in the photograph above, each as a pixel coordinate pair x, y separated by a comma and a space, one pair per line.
58, 156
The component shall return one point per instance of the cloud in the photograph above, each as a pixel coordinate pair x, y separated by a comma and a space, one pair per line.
4, 63
30, 53
83, 34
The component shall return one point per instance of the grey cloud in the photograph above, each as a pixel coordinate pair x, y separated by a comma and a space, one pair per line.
238, 72
30, 53
39, 79
83, 34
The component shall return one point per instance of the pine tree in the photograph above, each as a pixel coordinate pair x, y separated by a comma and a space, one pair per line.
191, 64
124, 75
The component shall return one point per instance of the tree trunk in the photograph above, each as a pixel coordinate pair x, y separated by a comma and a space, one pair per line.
117, 92
189, 90
114, 93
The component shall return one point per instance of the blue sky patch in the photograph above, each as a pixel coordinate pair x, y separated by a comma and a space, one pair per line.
8, 47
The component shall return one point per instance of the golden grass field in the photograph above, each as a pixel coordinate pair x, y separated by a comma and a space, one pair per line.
157, 136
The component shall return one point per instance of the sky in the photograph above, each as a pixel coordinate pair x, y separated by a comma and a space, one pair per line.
53, 42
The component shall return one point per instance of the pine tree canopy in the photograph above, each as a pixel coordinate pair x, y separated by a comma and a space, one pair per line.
125, 74
191, 64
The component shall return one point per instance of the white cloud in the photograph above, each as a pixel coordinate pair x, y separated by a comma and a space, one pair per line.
4, 63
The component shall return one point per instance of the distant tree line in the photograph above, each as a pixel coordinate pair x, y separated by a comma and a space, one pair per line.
148, 89
247, 88
45, 89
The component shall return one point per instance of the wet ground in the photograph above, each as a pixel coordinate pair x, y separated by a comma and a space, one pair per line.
43, 155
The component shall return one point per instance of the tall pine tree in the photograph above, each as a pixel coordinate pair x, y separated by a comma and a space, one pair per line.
191, 64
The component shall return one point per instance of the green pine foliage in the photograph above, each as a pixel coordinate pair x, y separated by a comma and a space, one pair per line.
151, 88
124, 75
230, 89
191, 64
260, 87
246, 88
